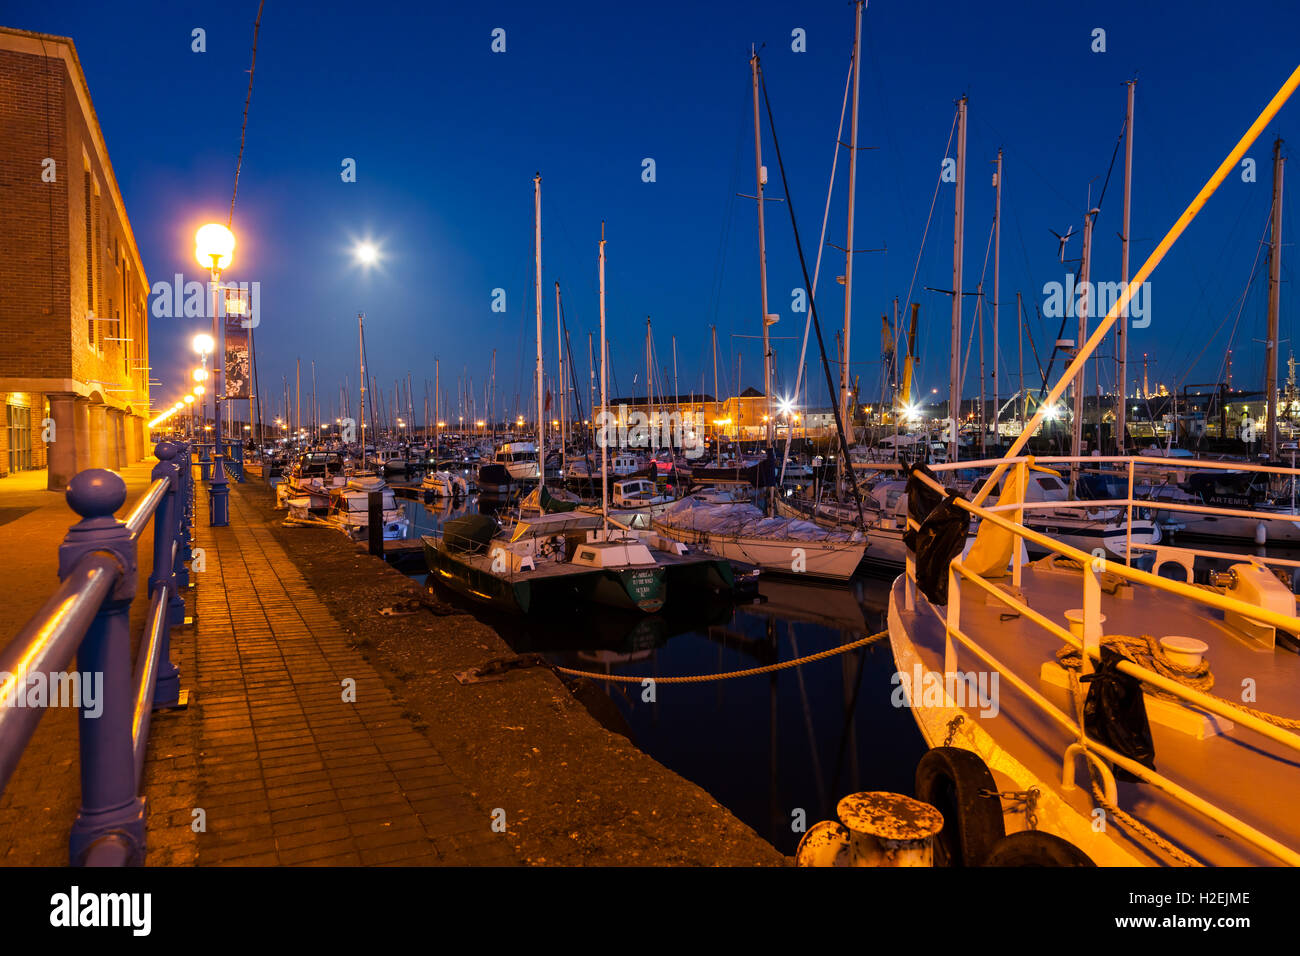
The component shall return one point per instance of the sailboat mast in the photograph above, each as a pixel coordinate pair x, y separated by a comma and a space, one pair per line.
604, 395
561, 390
958, 241
1020, 338
361, 355
845, 390
1121, 327
1080, 380
997, 298
761, 177
541, 412
650, 393
677, 395
1274, 300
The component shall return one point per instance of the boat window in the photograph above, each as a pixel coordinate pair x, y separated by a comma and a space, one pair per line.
1048, 483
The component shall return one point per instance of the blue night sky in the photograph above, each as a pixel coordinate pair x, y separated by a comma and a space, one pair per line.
447, 136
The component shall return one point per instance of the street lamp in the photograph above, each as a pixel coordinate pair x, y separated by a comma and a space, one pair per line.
214, 247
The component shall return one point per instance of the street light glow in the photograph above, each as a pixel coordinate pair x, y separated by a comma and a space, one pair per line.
214, 240
203, 343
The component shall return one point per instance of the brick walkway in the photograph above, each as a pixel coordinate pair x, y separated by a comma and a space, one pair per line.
284, 770
289, 771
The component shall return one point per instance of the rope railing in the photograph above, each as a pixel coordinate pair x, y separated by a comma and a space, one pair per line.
88, 617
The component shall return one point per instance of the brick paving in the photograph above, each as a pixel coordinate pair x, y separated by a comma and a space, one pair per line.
289, 771
282, 768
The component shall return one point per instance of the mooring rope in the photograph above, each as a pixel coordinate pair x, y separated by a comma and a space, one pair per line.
1147, 652
729, 675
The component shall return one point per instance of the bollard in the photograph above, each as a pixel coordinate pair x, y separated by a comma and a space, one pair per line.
875, 829
218, 494
375, 522
112, 816
166, 525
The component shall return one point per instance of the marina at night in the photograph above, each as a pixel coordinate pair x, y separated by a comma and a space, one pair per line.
764, 438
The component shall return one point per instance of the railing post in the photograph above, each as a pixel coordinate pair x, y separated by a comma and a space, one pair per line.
166, 528
953, 620
1018, 543
184, 517
1091, 616
218, 492
1128, 538
112, 815
237, 456
205, 463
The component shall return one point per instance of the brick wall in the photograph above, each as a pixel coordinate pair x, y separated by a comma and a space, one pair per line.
46, 249
35, 310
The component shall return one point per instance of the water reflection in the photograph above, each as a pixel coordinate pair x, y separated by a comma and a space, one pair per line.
764, 746
772, 748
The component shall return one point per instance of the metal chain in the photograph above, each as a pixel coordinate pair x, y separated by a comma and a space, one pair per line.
1028, 799
952, 729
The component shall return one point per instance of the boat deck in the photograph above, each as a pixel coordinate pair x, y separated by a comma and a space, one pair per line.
559, 569
1237, 770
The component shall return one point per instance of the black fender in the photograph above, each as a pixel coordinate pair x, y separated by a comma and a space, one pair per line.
1036, 848
954, 781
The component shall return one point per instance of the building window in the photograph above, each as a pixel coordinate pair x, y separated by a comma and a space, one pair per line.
19, 424
99, 272
90, 263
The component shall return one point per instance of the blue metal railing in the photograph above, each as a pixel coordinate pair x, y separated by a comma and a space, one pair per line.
233, 451
89, 616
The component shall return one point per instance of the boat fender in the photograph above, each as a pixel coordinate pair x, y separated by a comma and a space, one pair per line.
1036, 848
955, 781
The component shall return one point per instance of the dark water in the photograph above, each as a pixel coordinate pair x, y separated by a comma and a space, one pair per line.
765, 746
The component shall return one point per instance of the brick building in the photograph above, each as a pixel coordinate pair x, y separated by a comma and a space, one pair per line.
74, 347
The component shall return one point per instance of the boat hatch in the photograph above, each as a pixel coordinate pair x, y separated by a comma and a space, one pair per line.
612, 554
555, 524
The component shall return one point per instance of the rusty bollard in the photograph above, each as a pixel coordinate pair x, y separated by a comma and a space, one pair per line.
875, 829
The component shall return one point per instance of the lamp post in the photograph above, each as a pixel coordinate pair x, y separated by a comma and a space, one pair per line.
213, 247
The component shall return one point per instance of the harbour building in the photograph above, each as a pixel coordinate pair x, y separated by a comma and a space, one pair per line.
74, 345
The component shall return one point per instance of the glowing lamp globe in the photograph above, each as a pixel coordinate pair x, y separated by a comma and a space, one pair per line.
203, 344
200, 375
214, 240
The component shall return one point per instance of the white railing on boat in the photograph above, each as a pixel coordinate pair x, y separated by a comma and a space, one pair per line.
1010, 518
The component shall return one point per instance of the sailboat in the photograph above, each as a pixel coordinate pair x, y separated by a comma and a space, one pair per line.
1122, 734
549, 561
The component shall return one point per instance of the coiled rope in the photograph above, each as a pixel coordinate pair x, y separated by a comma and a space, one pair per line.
1146, 651
729, 675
